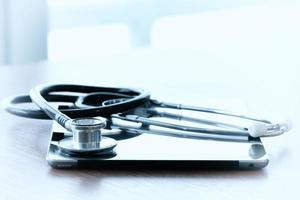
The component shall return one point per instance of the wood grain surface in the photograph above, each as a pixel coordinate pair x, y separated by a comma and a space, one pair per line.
177, 76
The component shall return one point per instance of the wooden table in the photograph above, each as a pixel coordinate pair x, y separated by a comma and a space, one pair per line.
263, 87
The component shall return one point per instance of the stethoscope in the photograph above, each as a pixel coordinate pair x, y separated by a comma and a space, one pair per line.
96, 114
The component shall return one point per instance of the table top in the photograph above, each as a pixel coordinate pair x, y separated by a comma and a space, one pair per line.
262, 87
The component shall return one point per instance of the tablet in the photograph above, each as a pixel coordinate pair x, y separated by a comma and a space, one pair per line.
159, 151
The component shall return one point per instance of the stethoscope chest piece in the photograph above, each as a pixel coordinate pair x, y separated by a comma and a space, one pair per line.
87, 137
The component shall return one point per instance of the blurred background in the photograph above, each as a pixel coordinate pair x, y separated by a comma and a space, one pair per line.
71, 30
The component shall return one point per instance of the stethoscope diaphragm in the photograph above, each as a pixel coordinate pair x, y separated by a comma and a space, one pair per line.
67, 145
87, 137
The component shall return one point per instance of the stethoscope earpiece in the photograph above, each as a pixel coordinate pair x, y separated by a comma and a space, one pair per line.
259, 129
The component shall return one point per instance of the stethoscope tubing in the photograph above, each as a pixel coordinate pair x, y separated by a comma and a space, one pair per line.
122, 101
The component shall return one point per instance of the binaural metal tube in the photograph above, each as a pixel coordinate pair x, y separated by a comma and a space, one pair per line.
206, 110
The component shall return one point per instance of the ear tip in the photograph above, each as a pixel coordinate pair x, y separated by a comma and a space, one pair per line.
257, 129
